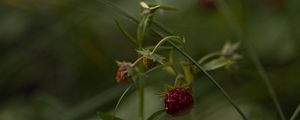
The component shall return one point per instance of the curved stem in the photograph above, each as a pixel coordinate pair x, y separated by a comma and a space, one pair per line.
208, 56
119, 101
164, 40
137, 61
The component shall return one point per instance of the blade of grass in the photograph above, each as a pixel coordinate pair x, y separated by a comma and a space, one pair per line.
295, 114
266, 80
157, 115
127, 35
190, 59
227, 13
92, 103
120, 99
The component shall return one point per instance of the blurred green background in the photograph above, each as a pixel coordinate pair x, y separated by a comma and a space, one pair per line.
57, 58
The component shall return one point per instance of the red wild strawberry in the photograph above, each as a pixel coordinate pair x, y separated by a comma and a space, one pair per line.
178, 101
122, 75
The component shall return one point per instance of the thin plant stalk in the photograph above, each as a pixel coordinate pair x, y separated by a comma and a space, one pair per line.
266, 80
164, 40
224, 9
190, 59
120, 99
295, 114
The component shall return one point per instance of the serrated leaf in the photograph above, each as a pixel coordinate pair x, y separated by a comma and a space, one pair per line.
156, 115
216, 63
106, 116
148, 54
126, 34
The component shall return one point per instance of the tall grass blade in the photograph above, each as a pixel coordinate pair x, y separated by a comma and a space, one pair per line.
295, 114
126, 34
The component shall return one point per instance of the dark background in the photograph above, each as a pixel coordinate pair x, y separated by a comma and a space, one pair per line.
57, 57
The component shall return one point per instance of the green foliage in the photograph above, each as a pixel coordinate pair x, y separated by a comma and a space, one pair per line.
106, 116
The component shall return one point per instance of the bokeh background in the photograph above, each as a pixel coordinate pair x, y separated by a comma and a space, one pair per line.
57, 57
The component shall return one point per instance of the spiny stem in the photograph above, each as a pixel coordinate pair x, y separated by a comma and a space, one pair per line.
164, 40
295, 114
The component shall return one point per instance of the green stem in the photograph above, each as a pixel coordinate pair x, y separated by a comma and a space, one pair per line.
186, 55
211, 79
208, 56
224, 9
266, 80
137, 61
201, 69
295, 114
141, 94
164, 40
119, 101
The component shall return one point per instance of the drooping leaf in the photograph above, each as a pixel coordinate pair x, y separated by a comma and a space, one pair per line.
126, 34
217, 63
229, 48
157, 115
106, 116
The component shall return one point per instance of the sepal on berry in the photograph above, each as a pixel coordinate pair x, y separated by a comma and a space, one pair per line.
150, 59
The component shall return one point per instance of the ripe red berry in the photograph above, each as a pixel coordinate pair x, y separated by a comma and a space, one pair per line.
122, 75
178, 101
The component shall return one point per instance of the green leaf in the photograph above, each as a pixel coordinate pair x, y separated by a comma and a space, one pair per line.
155, 57
216, 63
127, 35
142, 27
106, 116
229, 48
157, 115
